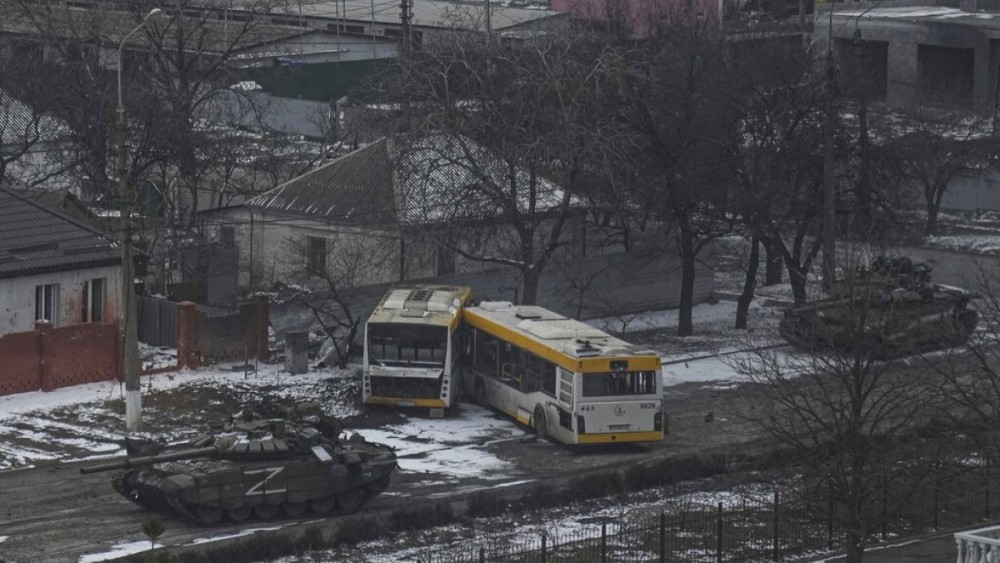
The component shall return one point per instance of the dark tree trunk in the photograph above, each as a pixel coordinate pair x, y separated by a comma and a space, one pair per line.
685, 326
775, 263
855, 547
932, 216
797, 278
529, 286
749, 284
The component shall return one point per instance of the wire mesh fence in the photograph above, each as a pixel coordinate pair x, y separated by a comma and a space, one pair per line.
783, 524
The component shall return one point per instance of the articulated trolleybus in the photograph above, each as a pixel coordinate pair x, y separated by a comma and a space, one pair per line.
411, 351
573, 383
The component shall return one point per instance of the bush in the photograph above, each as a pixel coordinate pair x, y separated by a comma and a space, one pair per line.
421, 518
356, 530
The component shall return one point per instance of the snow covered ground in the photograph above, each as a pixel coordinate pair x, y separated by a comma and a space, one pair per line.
84, 422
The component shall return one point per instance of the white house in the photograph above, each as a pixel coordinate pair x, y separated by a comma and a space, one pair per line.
53, 267
371, 213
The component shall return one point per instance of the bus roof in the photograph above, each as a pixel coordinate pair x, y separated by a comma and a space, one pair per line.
544, 329
436, 305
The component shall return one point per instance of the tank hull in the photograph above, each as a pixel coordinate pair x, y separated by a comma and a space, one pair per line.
194, 489
890, 331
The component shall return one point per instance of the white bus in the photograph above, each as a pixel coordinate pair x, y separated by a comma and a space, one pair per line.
411, 354
573, 383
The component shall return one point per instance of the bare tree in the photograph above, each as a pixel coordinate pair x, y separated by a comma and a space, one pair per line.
778, 176
934, 151
679, 105
522, 123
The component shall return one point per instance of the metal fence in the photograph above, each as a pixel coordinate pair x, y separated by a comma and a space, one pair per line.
157, 324
789, 524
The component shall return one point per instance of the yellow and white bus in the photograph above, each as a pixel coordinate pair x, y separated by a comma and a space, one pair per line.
411, 347
572, 382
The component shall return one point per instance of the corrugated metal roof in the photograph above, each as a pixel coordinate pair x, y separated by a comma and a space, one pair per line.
19, 124
353, 189
408, 180
35, 240
111, 26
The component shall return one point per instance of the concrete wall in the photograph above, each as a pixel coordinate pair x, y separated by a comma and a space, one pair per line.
596, 286
979, 193
204, 338
271, 248
17, 297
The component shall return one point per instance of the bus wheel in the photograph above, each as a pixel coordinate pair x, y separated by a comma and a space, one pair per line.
481, 393
541, 425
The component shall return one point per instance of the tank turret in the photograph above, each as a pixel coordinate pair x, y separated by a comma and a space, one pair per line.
258, 466
891, 307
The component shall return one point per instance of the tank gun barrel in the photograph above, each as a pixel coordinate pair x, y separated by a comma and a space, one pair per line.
144, 461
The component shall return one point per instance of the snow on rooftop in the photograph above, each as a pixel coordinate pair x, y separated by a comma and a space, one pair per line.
913, 12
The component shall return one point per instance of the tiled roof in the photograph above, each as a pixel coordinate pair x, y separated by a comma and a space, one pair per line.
36, 240
410, 180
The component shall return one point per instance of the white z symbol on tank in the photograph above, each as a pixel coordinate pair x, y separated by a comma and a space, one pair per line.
271, 473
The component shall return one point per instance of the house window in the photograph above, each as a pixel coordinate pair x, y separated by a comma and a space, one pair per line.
93, 300
316, 255
47, 303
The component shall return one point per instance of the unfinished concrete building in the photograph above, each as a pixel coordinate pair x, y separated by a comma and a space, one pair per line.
939, 54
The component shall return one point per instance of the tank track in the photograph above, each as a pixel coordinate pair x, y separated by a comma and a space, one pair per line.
371, 490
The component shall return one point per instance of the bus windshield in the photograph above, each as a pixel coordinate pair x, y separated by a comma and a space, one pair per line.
395, 345
616, 384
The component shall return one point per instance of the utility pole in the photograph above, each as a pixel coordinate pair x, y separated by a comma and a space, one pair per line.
130, 359
863, 190
374, 44
829, 161
489, 22
405, 18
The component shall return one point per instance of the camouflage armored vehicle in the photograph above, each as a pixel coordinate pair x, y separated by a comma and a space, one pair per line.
892, 307
258, 466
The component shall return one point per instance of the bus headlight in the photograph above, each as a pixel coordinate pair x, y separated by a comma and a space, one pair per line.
581, 424
658, 421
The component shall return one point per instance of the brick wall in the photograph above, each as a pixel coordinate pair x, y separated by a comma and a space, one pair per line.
48, 358
20, 362
78, 354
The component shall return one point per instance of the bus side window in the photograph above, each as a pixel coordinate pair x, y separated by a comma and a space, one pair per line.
467, 338
486, 353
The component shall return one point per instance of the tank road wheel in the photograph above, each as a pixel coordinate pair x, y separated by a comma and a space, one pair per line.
207, 515
265, 511
293, 509
350, 500
239, 514
322, 505
541, 425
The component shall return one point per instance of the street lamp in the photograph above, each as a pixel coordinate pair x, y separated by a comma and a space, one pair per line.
130, 360
152, 14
